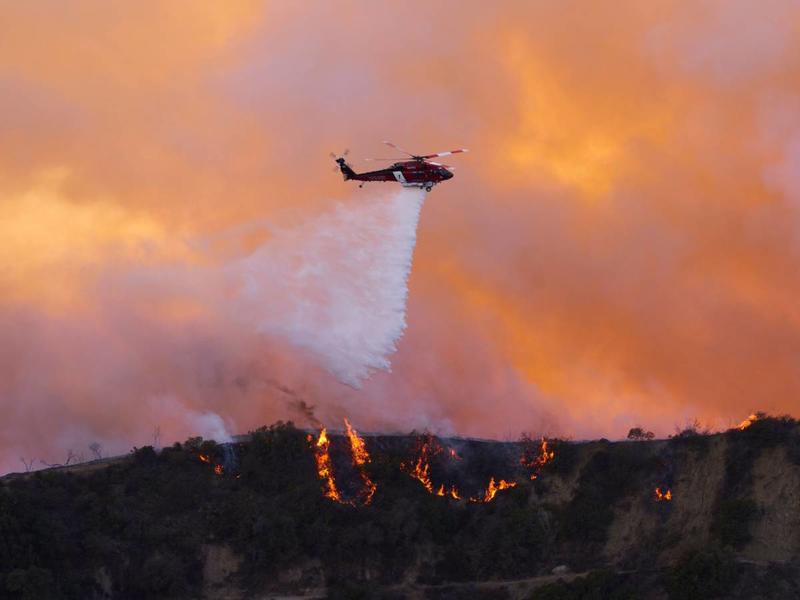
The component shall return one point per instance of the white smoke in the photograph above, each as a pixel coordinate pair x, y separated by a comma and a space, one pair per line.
182, 420
336, 286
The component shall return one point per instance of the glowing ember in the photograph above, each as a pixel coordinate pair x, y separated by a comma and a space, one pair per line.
543, 456
664, 495
218, 469
204, 458
325, 468
361, 458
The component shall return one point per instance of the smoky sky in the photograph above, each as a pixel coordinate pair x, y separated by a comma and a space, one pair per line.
619, 247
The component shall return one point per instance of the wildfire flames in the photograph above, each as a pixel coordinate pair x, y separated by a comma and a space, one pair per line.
420, 469
427, 447
453, 492
324, 466
204, 458
493, 488
534, 457
748, 421
664, 495
360, 458
535, 460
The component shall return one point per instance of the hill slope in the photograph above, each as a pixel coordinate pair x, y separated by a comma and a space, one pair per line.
414, 517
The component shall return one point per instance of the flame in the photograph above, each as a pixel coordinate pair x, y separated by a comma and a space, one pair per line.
663, 496
452, 492
205, 458
493, 488
748, 421
543, 457
324, 466
360, 458
360, 454
420, 470
453, 454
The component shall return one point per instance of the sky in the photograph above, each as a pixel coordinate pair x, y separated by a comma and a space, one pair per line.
619, 247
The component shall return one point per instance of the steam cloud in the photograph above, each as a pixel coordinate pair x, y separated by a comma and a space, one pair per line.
337, 285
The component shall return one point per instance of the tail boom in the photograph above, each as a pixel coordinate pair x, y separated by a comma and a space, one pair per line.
347, 172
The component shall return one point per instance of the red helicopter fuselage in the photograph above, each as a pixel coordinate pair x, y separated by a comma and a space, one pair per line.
417, 171
410, 173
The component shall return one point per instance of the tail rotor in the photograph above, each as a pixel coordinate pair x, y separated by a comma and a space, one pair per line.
340, 158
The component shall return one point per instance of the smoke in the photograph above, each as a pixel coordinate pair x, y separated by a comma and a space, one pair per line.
206, 424
621, 248
337, 285
195, 345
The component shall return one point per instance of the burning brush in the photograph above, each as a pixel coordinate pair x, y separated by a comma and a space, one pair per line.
360, 458
218, 468
420, 467
427, 448
663, 494
535, 456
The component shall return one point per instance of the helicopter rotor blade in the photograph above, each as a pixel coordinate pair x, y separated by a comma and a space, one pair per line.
448, 153
396, 158
396, 147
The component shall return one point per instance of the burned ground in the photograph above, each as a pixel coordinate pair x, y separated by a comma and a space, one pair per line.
693, 516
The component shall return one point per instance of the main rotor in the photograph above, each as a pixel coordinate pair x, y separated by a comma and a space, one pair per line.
419, 157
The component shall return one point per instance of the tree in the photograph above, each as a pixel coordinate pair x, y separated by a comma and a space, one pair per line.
640, 434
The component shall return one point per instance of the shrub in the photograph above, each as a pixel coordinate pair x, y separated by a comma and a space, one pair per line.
565, 459
606, 477
707, 573
732, 521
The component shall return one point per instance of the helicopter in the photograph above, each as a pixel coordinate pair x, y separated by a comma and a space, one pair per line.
416, 171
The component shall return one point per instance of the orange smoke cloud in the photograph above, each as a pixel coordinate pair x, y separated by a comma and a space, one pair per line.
619, 248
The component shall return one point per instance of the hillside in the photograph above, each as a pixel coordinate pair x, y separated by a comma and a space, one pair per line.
288, 513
